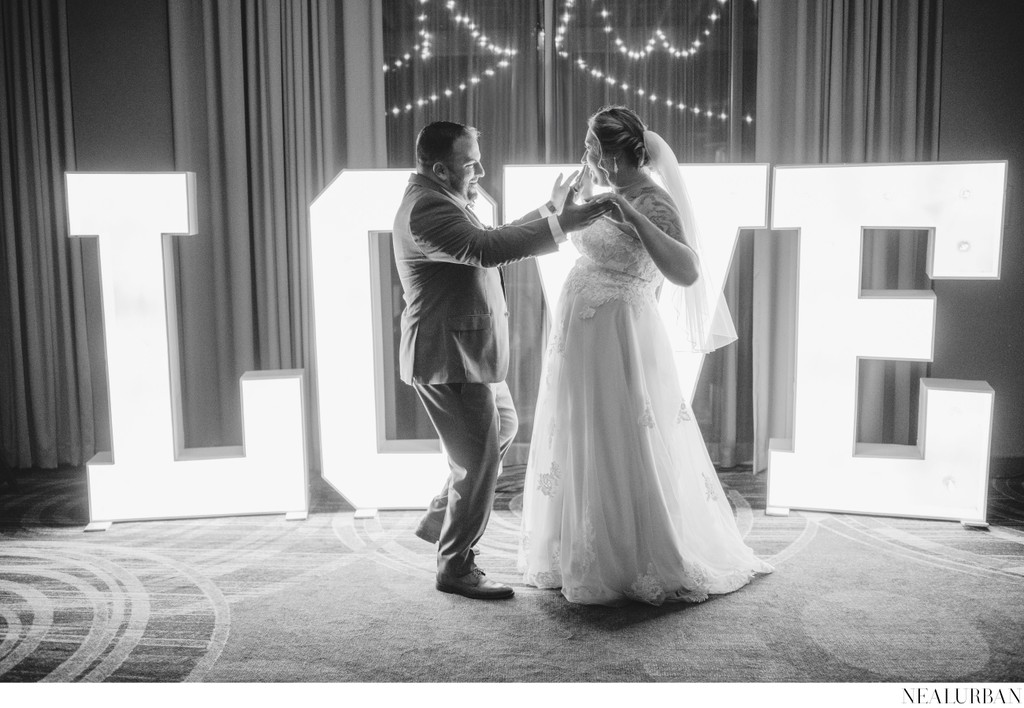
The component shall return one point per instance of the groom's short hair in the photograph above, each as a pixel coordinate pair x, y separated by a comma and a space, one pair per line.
435, 141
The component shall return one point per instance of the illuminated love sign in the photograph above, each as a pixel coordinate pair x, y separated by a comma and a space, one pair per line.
945, 475
726, 198
149, 474
152, 475
346, 221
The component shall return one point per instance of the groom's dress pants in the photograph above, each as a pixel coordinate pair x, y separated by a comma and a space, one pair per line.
476, 423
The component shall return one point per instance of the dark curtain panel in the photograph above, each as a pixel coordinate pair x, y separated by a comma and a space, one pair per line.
46, 388
258, 116
842, 81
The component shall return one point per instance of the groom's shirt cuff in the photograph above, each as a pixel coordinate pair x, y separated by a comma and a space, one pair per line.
556, 229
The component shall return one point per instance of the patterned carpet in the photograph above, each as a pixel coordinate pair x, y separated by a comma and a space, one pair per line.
333, 598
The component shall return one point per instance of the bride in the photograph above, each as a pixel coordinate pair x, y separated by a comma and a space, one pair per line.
621, 501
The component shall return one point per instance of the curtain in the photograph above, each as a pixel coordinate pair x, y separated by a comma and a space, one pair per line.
258, 117
683, 98
429, 49
259, 113
841, 81
46, 388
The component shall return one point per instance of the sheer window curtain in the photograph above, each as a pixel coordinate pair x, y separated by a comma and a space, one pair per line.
501, 94
841, 81
689, 101
509, 106
46, 384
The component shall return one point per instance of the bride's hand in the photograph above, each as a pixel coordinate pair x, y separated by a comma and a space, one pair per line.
562, 190
619, 208
585, 183
620, 212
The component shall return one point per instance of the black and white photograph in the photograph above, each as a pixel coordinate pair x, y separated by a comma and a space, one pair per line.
602, 350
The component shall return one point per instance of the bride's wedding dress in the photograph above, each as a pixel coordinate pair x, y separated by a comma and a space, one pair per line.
621, 500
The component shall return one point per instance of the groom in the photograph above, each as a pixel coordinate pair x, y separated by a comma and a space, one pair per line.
454, 347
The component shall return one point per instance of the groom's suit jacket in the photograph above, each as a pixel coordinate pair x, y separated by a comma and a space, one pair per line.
455, 322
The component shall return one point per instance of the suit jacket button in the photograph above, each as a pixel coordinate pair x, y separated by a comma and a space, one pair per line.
506, 314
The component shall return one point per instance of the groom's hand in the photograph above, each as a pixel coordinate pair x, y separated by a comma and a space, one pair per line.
562, 189
577, 216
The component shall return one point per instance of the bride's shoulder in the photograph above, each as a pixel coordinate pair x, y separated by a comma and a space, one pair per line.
652, 199
657, 205
652, 196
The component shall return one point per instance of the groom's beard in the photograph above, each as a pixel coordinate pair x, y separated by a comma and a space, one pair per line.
464, 188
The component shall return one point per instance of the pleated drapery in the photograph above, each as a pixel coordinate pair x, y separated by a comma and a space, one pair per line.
841, 81
46, 383
257, 117
260, 115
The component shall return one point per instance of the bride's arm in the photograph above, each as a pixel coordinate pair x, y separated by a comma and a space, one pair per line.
676, 260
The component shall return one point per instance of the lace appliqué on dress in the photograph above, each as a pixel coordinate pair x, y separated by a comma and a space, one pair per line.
549, 482
709, 487
647, 588
583, 555
598, 286
551, 578
683, 414
698, 573
647, 417
545, 579
557, 343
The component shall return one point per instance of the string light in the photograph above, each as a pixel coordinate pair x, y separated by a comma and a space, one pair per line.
479, 37
422, 48
581, 65
658, 37
652, 45
469, 25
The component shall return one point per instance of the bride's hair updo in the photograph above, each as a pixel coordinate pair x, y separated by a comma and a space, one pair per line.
621, 134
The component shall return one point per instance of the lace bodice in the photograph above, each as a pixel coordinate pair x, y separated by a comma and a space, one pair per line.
604, 243
614, 265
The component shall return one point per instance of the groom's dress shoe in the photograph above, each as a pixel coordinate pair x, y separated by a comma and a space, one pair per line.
475, 585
